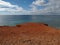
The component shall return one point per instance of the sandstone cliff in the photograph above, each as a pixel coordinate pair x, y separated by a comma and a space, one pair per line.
29, 34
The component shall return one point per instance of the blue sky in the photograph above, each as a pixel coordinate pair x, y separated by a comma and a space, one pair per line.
29, 7
23, 3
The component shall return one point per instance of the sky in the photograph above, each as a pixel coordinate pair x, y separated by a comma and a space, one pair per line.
29, 7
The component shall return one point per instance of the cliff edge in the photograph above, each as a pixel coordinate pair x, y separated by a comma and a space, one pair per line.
29, 34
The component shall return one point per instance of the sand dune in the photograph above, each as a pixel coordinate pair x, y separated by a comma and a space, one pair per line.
29, 34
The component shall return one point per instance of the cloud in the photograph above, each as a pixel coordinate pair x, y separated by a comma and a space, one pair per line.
39, 2
8, 7
6, 4
51, 8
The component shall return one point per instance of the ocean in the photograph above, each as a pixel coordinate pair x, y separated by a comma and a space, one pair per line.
12, 20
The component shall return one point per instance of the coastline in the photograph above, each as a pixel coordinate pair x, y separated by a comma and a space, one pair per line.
29, 34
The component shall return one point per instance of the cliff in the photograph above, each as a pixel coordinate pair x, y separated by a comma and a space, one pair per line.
29, 34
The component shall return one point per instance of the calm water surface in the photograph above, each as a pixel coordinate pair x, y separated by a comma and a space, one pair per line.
12, 20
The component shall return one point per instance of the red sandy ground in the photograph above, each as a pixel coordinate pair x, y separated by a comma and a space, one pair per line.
29, 34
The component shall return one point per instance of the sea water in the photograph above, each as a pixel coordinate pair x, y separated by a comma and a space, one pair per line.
12, 20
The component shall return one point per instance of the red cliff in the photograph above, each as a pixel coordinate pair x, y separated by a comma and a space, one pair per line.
29, 34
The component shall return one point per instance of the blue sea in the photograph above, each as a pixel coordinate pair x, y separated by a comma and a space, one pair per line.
12, 20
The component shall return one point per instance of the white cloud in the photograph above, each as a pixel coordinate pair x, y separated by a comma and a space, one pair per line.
39, 2
4, 3
2, 9
9, 8
51, 8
